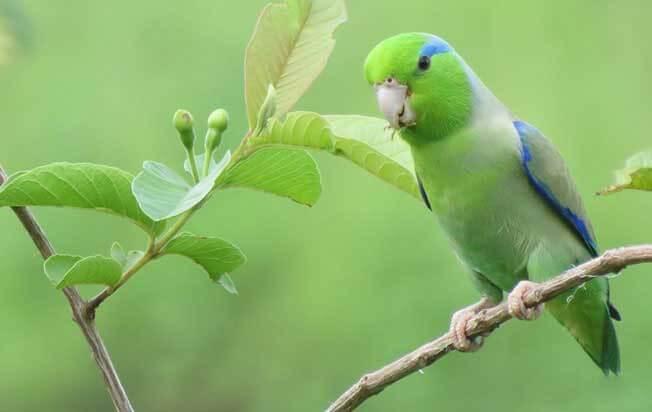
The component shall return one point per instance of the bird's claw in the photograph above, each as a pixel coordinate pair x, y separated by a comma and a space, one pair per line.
459, 322
389, 129
515, 304
462, 342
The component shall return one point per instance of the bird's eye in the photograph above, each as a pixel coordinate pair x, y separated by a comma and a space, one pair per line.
424, 63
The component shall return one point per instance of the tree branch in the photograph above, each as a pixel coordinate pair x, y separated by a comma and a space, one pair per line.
84, 317
612, 261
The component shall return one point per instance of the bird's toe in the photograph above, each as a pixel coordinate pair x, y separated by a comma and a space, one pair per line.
516, 306
459, 322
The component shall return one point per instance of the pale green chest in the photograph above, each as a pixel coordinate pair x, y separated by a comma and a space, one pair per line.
482, 200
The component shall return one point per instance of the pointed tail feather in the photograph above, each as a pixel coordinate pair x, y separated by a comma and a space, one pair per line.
610, 361
587, 317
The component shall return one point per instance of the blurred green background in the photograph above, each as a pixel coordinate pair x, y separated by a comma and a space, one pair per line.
328, 292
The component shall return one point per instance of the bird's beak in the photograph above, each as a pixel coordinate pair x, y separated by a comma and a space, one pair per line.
394, 101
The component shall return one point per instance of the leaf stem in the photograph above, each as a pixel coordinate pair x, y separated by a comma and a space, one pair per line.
178, 225
239, 152
153, 250
193, 165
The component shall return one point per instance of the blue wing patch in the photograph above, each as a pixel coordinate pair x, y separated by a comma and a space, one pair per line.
570, 217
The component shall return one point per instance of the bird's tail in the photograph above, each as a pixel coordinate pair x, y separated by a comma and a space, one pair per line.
586, 315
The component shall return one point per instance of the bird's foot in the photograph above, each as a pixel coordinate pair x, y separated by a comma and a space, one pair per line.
459, 321
515, 304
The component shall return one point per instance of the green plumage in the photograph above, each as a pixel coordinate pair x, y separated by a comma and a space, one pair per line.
503, 196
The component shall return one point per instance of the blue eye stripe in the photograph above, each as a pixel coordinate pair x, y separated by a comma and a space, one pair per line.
433, 46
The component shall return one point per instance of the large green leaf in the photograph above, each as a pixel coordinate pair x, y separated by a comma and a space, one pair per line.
163, 194
82, 185
366, 141
67, 270
287, 172
289, 48
636, 175
218, 257
371, 145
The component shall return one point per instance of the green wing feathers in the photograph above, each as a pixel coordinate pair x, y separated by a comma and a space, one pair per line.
585, 311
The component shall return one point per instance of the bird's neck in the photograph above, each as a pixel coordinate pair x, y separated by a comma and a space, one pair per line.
456, 100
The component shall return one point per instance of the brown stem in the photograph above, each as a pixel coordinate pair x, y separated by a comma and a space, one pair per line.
82, 314
612, 261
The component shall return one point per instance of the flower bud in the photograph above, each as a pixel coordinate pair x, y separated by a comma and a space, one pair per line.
183, 122
218, 120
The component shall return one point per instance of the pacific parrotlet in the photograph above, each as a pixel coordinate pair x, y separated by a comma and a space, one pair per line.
498, 187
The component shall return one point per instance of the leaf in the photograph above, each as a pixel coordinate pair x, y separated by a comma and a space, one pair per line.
304, 129
80, 185
126, 260
118, 254
163, 194
289, 48
228, 284
67, 270
636, 175
363, 140
216, 256
369, 143
286, 172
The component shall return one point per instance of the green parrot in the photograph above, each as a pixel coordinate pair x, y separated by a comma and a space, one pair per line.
498, 188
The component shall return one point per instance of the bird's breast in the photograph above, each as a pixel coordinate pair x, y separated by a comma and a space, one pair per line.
478, 193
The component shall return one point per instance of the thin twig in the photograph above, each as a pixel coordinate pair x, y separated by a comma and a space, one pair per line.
153, 251
84, 317
486, 321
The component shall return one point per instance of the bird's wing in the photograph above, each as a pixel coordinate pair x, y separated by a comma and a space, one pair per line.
548, 174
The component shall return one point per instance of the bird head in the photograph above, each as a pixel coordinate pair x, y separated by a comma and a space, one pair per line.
421, 84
